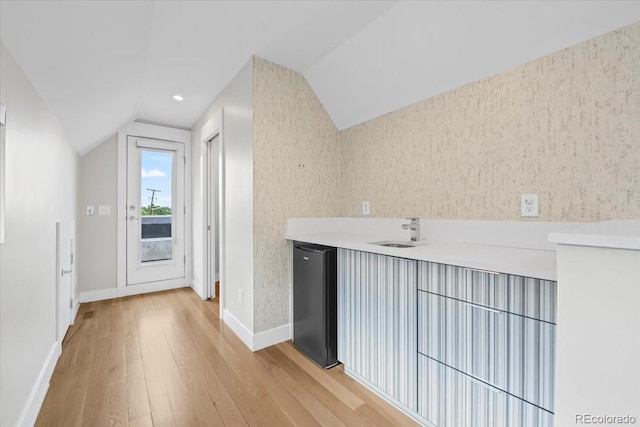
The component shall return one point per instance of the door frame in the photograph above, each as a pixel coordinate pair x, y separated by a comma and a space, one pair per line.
72, 307
212, 128
143, 130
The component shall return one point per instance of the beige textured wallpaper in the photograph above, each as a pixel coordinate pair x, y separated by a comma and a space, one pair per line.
296, 174
565, 126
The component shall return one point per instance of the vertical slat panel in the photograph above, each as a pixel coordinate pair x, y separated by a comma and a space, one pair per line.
377, 321
511, 352
448, 398
535, 298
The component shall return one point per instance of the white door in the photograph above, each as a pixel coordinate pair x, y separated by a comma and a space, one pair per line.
155, 211
64, 271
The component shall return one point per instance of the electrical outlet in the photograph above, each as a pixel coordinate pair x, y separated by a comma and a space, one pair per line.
240, 296
529, 205
365, 208
104, 210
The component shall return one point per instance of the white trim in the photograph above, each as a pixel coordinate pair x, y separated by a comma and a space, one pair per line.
161, 133
271, 337
212, 128
197, 287
245, 335
260, 340
40, 388
99, 295
145, 288
74, 312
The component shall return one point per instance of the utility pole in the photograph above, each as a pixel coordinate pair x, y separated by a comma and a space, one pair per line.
153, 196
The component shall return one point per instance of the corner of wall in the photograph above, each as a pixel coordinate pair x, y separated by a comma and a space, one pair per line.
296, 174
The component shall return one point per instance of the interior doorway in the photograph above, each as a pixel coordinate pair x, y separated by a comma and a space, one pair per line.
212, 255
212, 196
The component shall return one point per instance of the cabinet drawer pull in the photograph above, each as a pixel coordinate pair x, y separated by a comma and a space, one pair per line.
477, 270
483, 384
482, 307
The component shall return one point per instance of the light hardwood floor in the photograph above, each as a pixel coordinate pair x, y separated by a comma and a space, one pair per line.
165, 359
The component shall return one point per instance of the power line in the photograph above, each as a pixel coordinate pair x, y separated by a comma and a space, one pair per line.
153, 196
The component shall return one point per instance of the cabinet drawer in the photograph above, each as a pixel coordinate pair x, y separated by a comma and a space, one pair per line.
448, 398
534, 298
513, 353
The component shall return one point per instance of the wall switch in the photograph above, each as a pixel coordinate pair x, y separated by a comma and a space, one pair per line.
529, 205
104, 210
240, 296
365, 208
91, 210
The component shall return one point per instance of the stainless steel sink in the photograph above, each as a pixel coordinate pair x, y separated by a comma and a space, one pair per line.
398, 243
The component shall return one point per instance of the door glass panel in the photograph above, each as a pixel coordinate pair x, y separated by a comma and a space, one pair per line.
156, 219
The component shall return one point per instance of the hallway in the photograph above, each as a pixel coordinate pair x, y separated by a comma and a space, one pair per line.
165, 359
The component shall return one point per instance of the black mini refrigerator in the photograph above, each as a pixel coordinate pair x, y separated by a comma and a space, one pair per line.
315, 330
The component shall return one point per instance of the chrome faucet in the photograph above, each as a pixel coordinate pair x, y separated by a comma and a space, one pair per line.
414, 226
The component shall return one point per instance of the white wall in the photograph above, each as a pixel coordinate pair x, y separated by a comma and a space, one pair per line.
597, 370
237, 259
42, 170
96, 237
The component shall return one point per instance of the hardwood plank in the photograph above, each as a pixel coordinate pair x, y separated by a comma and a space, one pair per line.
181, 340
258, 408
143, 421
137, 397
324, 395
95, 405
116, 414
299, 391
347, 396
166, 359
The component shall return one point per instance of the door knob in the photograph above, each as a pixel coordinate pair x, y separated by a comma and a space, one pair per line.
131, 218
65, 272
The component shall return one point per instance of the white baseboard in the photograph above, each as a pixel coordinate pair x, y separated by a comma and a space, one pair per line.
260, 340
197, 287
76, 307
271, 337
39, 391
238, 328
145, 288
99, 295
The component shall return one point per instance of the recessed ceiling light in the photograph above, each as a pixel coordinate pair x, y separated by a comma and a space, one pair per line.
178, 98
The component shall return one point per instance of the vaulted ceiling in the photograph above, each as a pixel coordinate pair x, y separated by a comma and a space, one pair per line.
102, 64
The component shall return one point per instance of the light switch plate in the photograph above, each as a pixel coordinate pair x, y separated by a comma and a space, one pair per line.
365, 208
104, 210
91, 210
529, 205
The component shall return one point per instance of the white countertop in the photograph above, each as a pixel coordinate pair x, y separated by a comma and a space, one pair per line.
535, 263
617, 234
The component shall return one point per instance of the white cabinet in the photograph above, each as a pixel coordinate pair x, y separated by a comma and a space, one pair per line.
377, 324
450, 345
487, 347
450, 398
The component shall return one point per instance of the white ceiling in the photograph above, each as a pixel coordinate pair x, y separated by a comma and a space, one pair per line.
102, 64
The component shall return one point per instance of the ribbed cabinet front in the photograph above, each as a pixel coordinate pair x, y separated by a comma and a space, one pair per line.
487, 348
377, 323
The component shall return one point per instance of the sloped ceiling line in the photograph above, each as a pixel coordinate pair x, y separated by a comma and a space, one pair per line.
102, 64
